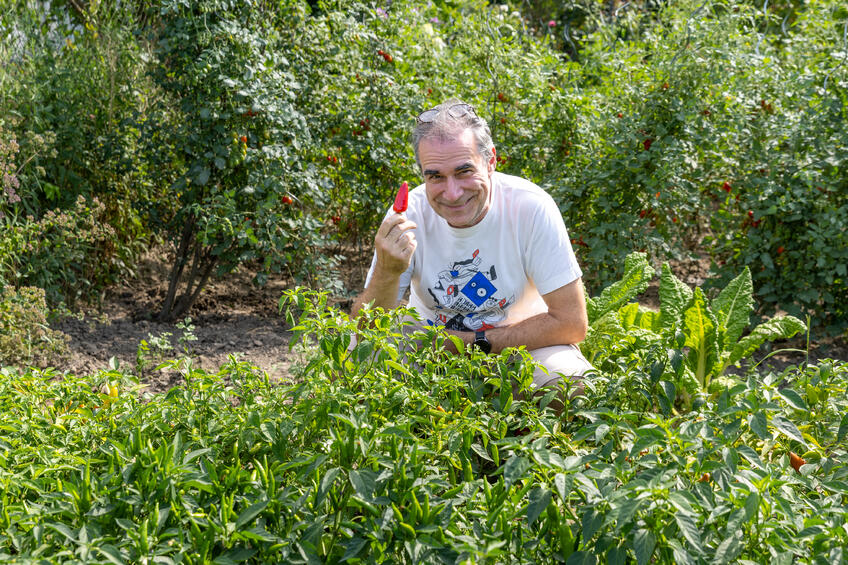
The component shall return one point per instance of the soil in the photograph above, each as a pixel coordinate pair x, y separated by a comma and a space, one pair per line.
235, 316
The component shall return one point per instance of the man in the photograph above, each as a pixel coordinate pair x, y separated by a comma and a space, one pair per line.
484, 254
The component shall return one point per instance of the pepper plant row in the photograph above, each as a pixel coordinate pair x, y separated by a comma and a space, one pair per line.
387, 453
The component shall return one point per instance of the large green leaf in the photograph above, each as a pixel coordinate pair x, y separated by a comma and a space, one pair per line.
701, 337
733, 307
634, 315
675, 295
781, 327
597, 338
637, 275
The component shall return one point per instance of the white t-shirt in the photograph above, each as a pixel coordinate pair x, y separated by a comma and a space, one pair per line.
495, 272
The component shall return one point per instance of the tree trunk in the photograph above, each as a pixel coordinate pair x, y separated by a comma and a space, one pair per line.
177, 269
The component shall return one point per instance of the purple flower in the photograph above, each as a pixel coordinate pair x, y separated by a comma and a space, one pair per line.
382, 13
552, 23
434, 20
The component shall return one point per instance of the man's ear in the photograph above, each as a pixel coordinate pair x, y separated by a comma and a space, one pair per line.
491, 164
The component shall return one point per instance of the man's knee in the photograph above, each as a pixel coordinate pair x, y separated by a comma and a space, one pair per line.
559, 362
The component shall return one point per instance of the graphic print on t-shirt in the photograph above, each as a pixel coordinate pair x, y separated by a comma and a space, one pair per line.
466, 297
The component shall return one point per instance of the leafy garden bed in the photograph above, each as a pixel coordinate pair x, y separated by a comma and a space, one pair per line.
387, 453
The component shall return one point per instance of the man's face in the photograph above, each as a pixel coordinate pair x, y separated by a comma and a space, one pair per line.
457, 178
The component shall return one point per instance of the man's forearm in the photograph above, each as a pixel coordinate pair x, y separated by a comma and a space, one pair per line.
538, 331
382, 291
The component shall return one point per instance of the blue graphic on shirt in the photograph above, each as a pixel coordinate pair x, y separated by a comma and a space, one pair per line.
479, 289
466, 298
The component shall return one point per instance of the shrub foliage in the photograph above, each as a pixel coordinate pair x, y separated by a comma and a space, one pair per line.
681, 129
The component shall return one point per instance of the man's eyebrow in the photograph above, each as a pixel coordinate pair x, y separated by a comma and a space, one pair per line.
459, 169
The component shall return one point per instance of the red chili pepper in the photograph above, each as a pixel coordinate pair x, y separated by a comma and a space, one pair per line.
402, 198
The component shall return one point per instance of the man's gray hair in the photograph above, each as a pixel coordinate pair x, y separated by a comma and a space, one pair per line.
445, 127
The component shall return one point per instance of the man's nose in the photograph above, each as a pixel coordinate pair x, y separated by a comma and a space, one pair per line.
453, 190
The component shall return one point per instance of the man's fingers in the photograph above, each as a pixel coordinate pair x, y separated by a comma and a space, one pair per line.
405, 238
395, 221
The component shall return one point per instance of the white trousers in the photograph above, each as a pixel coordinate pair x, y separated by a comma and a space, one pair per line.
560, 361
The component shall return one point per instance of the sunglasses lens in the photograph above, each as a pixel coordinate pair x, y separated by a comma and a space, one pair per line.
459, 110
428, 115
456, 111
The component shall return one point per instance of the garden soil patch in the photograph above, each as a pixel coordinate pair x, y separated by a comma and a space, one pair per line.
236, 317
233, 316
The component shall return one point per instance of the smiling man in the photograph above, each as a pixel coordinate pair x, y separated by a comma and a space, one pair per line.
484, 254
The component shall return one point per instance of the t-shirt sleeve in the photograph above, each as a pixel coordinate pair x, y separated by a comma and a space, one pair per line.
549, 257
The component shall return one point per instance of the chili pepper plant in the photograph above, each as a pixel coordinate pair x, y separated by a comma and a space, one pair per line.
385, 448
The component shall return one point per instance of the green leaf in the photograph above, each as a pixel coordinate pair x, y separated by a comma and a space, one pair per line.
788, 429
733, 307
843, 429
683, 501
623, 510
793, 399
752, 505
616, 556
681, 556
728, 549
637, 275
203, 176
675, 295
111, 553
540, 498
644, 543
592, 520
781, 327
759, 425
563, 485
250, 513
627, 314
353, 547
689, 530
64, 530
701, 337
515, 468
363, 483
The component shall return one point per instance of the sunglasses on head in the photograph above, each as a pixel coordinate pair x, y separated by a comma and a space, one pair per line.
456, 111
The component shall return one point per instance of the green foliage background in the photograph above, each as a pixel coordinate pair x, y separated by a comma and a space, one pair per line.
274, 134
680, 128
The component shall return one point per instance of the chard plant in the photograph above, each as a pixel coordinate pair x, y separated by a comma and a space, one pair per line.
698, 338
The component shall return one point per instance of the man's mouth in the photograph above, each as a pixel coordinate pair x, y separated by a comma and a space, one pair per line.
460, 205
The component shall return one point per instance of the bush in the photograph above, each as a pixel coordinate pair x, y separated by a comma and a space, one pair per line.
70, 255
67, 96
680, 129
25, 338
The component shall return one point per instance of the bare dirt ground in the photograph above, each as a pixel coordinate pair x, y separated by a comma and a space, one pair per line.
234, 316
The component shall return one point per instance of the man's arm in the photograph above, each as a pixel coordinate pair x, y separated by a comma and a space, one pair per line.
394, 245
565, 322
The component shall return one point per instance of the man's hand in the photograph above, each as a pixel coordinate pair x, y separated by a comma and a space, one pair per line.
394, 244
